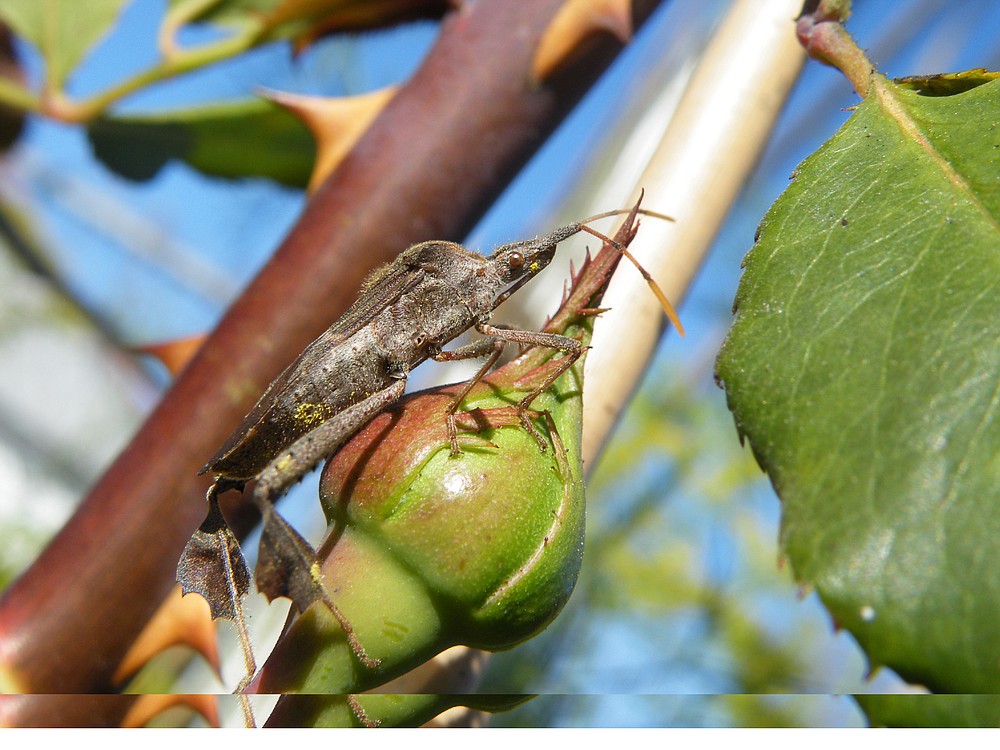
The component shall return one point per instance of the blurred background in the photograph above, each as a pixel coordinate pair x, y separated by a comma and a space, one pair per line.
683, 615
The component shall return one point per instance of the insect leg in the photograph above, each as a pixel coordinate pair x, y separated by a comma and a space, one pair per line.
287, 564
490, 347
297, 460
572, 349
496, 338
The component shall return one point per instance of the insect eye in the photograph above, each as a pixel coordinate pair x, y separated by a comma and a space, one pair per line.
419, 339
516, 260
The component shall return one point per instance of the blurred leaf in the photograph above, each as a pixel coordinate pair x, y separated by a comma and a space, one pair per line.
62, 30
573, 24
254, 138
303, 20
11, 118
863, 366
931, 710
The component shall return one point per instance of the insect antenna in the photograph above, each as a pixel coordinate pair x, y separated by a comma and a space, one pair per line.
563, 233
664, 302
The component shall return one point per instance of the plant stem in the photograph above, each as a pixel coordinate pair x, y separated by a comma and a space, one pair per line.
67, 110
822, 34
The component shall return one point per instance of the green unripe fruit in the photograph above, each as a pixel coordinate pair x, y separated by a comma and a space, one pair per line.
429, 550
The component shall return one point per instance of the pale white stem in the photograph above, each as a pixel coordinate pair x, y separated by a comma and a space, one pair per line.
705, 155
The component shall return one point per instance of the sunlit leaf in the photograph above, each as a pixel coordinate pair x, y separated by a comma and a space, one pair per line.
864, 368
62, 30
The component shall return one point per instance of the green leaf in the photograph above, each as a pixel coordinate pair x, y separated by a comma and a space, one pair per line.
62, 30
301, 19
931, 710
864, 368
255, 138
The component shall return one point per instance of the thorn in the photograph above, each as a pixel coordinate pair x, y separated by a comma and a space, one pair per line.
179, 621
575, 21
147, 707
336, 123
174, 354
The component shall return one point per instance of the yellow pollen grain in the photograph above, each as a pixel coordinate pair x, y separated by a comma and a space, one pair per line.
310, 414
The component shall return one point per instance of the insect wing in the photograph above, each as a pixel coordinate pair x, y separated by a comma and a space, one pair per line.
376, 298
